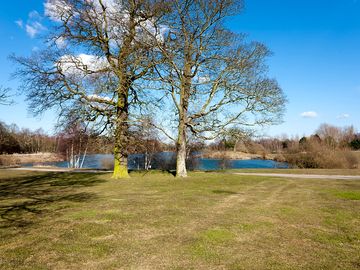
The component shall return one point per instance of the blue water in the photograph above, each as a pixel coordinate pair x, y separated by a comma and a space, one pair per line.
166, 161
215, 164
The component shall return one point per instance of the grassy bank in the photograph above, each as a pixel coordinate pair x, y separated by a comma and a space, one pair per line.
152, 221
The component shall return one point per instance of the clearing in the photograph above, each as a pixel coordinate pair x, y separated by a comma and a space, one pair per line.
57, 220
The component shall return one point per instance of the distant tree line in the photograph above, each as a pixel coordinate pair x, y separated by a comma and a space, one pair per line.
16, 140
143, 139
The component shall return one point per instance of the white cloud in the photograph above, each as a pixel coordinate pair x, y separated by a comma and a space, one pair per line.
343, 116
57, 9
97, 98
81, 64
117, 17
60, 42
34, 28
33, 24
309, 114
31, 31
34, 15
20, 23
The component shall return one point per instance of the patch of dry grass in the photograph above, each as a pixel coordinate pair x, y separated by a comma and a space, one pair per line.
16, 159
152, 221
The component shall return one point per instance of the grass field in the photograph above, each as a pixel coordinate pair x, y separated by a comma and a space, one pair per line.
154, 221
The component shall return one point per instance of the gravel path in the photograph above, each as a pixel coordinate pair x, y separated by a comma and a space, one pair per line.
285, 175
307, 176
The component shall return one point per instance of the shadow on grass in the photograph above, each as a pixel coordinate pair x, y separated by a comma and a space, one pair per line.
153, 171
224, 192
24, 198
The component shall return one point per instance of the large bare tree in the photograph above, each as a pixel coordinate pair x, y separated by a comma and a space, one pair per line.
214, 78
94, 63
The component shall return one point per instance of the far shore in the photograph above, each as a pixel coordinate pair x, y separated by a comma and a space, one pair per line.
236, 155
18, 159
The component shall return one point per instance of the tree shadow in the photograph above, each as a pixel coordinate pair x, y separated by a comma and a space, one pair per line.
24, 198
218, 191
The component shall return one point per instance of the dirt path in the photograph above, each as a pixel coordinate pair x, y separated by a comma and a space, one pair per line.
284, 175
305, 176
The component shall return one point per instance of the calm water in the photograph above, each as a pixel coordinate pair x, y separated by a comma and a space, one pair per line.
166, 160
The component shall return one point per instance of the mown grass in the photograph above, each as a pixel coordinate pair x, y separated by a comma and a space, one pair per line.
154, 221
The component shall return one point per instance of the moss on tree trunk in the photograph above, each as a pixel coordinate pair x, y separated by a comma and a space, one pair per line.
121, 135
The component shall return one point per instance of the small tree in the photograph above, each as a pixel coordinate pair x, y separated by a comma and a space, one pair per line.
75, 140
145, 140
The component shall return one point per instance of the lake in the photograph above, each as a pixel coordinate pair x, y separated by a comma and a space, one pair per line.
166, 161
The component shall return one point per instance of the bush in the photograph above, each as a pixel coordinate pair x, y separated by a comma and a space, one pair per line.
355, 144
324, 159
315, 154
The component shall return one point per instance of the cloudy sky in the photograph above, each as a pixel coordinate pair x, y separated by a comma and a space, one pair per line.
316, 58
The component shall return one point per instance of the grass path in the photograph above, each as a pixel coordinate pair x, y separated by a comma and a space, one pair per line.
207, 221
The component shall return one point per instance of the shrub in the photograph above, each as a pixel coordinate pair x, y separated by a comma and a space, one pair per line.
313, 154
355, 144
325, 159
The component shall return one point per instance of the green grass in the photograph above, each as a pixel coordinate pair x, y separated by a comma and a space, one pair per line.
154, 221
348, 195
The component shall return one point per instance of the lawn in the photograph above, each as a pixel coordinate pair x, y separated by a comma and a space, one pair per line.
154, 221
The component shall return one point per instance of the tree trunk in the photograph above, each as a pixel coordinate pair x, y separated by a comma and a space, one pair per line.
181, 151
121, 137
181, 144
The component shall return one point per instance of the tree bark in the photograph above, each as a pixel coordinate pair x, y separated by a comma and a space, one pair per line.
181, 144
121, 137
181, 151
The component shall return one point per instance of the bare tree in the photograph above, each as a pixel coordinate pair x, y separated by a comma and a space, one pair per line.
94, 64
77, 140
336, 136
214, 78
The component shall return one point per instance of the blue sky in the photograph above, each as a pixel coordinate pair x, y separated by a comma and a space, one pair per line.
316, 46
